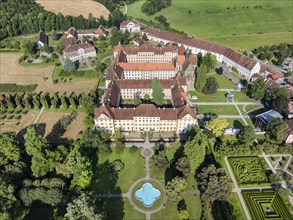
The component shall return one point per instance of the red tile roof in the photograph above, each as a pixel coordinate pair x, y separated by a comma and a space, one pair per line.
72, 32
146, 48
69, 41
73, 49
237, 57
147, 66
145, 110
101, 31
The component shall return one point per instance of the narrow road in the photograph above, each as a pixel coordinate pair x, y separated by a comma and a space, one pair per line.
125, 9
237, 189
39, 115
240, 114
227, 103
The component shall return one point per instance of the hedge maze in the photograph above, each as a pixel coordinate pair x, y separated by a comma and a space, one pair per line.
266, 205
248, 170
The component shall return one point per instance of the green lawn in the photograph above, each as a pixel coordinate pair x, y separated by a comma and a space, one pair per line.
217, 97
248, 108
239, 26
134, 168
41, 64
219, 110
101, 56
235, 123
241, 97
237, 207
170, 212
223, 82
118, 209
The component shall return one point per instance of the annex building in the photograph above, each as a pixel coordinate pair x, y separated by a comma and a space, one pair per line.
246, 66
131, 77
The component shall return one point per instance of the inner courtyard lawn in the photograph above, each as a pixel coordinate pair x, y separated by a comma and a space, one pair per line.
111, 182
218, 110
223, 82
231, 21
235, 123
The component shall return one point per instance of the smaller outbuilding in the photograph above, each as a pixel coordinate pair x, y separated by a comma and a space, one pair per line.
42, 39
263, 119
101, 31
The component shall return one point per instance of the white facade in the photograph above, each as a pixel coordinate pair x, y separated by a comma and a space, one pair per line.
145, 124
131, 93
131, 27
80, 54
242, 71
40, 44
141, 74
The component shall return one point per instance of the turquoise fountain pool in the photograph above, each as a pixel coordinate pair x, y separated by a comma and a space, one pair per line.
147, 194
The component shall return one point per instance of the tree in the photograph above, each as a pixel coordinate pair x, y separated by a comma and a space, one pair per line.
258, 89
247, 135
147, 97
9, 150
119, 147
118, 136
157, 92
145, 37
214, 184
69, 66
201, 77
175, 189
7, 197
81, 208
116, 37
275, 93
281, 105
195, 149
183, 215
210, 61
30, 47
160, 160
34, 143
276, 130
211, 86
217, 126
183, 166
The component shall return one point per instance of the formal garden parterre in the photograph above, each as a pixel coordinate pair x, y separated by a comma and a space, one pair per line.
248, 170
266, 204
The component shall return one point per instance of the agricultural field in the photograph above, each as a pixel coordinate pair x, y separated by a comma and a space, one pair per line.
16, 123
69, 7
242, 25
266, 205
248, 170
12, 72
49, 125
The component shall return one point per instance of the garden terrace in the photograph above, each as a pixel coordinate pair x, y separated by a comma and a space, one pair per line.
266, 205
248, 170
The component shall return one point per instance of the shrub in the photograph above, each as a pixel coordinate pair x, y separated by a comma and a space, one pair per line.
133, 149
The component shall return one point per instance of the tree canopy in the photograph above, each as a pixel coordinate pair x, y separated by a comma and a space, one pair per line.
247, 135
175, 189
81, 208
217, 126
201, 77
9, 149
157, 92
210, 61
211, 86
195, 149
258, 89
276, 130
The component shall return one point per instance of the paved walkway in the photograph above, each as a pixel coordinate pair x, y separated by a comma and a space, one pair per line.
240, 114
237, 189
39, 115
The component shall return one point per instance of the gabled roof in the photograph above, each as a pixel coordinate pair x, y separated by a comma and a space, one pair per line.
270, 84
70, 41
185, 110
146, 110
147, 66
114, 72
101, 31
237, 57
112, 94
72, 32
42, 37
104, 110
181, 50
138, 40
125, 23
75, 48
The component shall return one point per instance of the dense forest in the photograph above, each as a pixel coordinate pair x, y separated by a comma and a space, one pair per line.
150, 7
27, 17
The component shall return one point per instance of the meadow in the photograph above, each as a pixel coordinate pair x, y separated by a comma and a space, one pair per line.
243, 25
